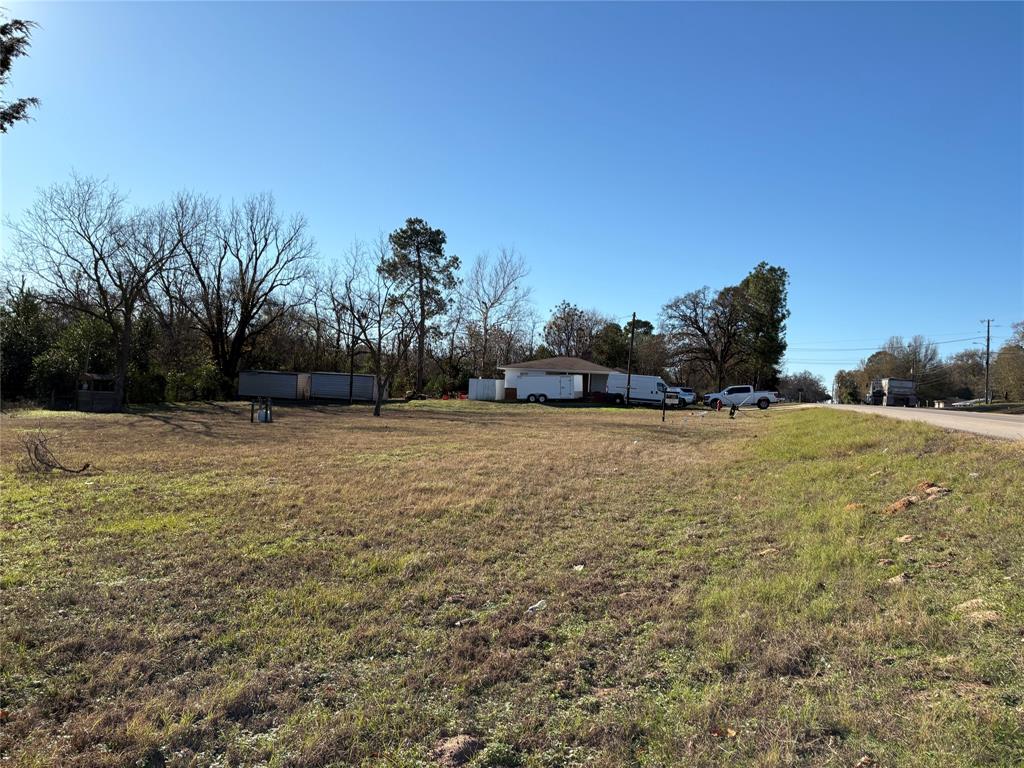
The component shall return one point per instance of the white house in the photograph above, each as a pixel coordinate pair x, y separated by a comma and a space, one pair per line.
595, 377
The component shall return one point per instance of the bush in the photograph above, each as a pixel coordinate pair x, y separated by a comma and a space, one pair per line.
148, 387
202, 382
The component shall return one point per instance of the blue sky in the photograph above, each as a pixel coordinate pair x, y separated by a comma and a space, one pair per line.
631, 152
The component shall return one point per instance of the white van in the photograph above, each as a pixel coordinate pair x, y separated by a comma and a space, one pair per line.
642, 389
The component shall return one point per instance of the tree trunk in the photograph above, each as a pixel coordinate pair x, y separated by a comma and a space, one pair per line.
380, 398
124, 349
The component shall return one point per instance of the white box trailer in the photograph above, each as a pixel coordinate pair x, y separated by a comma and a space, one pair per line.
327, 385
541, 387
486, 389
642, 389
282, 385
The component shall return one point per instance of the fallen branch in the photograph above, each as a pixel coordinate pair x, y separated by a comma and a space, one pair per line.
40, 456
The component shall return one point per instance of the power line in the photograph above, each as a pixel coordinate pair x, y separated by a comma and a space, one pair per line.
877, 348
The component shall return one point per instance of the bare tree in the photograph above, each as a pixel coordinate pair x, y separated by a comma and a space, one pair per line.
241, 271
705, 330
384, 312
450, 347
495, 298
92, 256
571, 331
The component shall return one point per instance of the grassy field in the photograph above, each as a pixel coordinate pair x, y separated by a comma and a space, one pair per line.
334, 589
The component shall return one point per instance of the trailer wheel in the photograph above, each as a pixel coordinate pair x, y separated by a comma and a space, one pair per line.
531, 398
762, 403
542, 398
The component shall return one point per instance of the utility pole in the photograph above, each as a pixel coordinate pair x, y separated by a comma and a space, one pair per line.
629, 357
988, 352
352, 356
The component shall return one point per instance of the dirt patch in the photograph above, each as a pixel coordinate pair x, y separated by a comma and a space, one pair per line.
985, 618
905, 539
971, 605
931, 491
901, 505
456, 750
923, 491
898, 580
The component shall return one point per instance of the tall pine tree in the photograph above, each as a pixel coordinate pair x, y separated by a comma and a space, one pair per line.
418, 262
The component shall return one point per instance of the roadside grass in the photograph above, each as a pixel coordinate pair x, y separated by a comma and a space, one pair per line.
334, 589
1000, 407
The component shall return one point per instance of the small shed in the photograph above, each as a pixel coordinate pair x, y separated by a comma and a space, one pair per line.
96, 393
486, 389
282, 385
335, 386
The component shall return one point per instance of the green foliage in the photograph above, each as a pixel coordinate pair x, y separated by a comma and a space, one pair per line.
765, 310
84, 346
26, 330
201, 382
419, 264
146, 386
847, 389
498, 754
15, 38
611, 346
1008, 373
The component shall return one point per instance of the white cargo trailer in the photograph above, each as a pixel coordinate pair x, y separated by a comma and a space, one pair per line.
335, 386
642, 389
486, 389
541, 387
282, 385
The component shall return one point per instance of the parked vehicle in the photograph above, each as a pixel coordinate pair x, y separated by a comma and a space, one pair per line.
686, 395
540, 388
741, 395
642, 389
892, 392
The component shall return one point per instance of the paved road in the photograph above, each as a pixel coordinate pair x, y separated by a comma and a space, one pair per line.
1004, 425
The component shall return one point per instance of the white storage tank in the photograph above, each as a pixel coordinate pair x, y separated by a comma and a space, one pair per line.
335, 386
282, 385
486, 389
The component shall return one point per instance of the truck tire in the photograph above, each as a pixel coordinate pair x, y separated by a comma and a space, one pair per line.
531, 398
763, 403
716, 404
619, 399
542, 398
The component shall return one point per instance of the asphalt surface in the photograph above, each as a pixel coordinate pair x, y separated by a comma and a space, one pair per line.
1003, 425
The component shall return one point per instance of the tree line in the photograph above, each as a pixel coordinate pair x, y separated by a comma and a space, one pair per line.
960, 375
175, 299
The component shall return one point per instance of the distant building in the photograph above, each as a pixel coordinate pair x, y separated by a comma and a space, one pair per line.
595, 377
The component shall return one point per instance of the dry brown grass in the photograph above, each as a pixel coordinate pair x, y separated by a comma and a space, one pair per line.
334, 589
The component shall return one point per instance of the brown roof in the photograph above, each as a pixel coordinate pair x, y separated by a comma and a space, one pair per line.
560, 365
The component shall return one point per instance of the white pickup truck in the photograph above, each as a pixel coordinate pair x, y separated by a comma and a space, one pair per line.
741, 395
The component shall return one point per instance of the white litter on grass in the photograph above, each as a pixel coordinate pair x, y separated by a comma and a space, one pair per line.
540, 605
577, 567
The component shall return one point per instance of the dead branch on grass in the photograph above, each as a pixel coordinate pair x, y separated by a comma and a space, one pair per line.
39, 455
